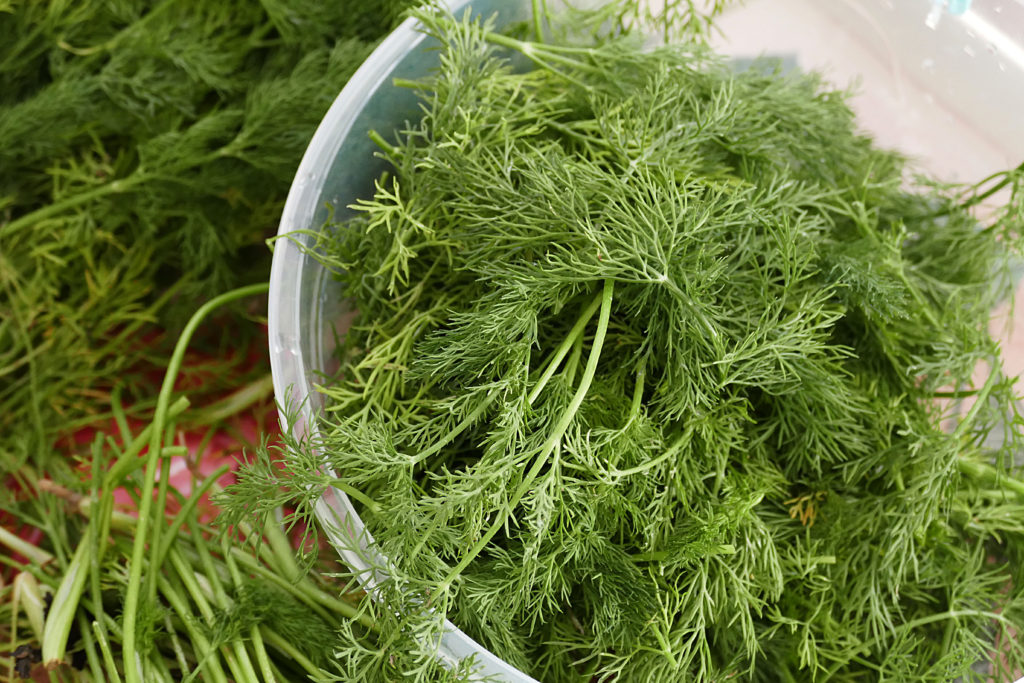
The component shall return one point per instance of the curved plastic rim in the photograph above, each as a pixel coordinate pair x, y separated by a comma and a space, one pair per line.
334, 511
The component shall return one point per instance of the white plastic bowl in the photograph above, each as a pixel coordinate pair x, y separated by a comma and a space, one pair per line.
951, 94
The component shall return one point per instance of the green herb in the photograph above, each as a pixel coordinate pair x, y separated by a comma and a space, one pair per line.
157, 597
651, 381
147, 149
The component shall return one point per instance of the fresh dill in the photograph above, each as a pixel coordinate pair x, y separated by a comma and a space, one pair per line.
651, 379
146, 152
147, 148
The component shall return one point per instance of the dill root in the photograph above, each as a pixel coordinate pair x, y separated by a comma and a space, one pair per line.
649, 378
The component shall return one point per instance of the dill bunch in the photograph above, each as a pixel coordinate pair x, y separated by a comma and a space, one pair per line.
146, 152
663, 371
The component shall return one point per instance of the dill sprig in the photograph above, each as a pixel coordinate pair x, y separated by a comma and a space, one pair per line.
659, 374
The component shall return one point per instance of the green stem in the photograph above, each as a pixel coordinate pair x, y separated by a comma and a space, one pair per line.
131, 602
262, 660
117, 409
552, 441
573, 364
980, 401
283, 554
379, 140
183, 514
911, 625
159, 517
32, 553
199, 597
32, 218
291, 651
638, 392
234, 403
98, 535
355, 493
564, 347
670, 452
65, 604
206, 655
986, 473
666, 647
459, 428
307, 592
221, 601
172, 633
126, 462
108, 656
1008, 177
89, 645
544, 57
538, 26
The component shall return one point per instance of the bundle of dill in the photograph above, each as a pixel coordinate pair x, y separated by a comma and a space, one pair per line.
146, 151
108, 592
208, 610
662, 372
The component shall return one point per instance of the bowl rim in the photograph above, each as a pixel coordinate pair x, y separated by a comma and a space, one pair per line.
292, 387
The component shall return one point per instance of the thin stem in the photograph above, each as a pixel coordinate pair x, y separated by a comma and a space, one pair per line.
179, 651
980, 401
55, 208
307, 592
911, 625
670, 452
126, 462
291, 651
564, 347
131, 602
552, 441
220, 599
262, 660
1008, 177
108, 656
234, 403
459, 428
119, 417
159, 517
183, 514
29, 551
208, 658
537, 54
538, 25
987, 473
89, 645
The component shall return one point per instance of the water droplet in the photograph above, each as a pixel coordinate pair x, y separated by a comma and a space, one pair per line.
991, 49
1002, 66
968, 50
971, 34
929, 98
999, 9
928, 64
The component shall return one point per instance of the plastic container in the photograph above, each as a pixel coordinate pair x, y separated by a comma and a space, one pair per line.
945, 88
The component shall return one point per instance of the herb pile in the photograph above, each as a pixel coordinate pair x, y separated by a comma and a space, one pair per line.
203, 609
664, 372
147, 148
146, 152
